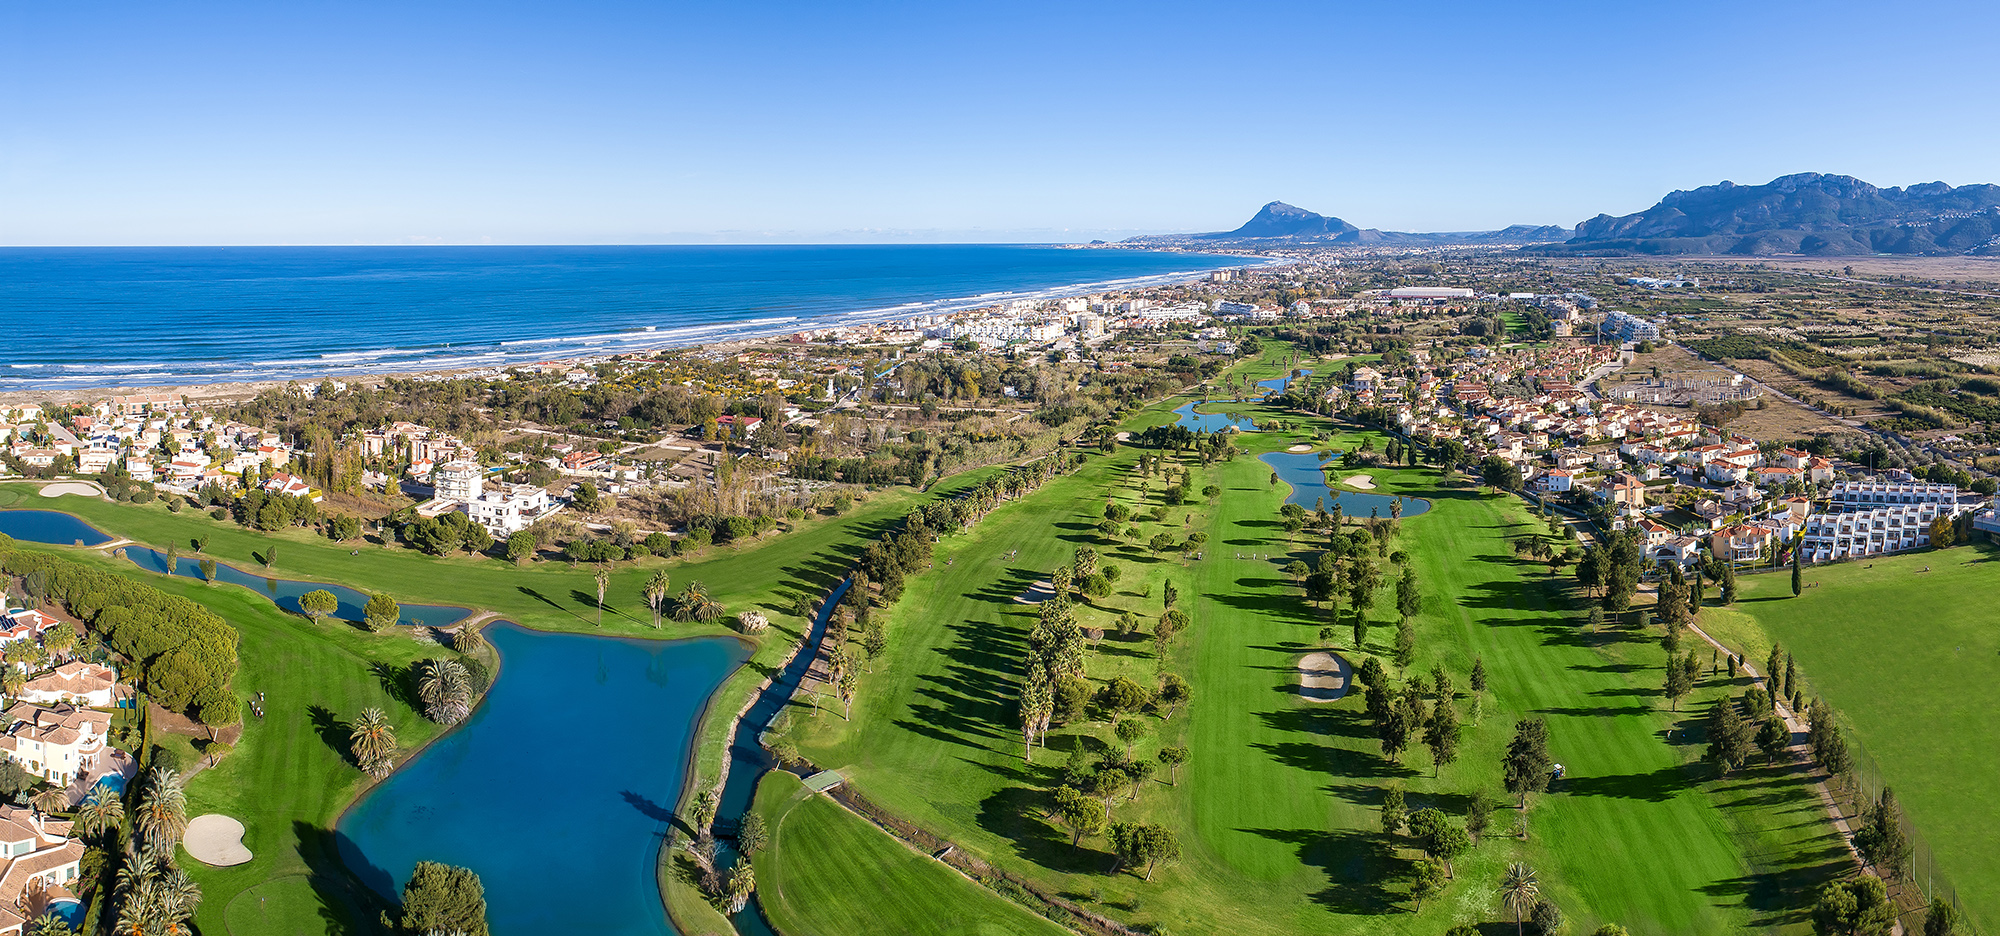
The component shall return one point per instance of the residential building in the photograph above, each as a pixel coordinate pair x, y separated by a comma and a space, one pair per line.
461, 481
39, 864
1853, 495
1876, 531
510, 508
78, 683
55, 743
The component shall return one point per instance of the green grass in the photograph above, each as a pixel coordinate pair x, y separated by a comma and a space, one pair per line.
1278, 807
1911, 660
829, 872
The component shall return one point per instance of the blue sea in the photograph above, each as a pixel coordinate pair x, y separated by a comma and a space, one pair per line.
142, 316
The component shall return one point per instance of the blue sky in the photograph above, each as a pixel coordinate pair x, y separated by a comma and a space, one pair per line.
363, 122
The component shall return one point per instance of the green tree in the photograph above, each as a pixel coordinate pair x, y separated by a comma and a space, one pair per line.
1441, 735
521, 545
381, 613
1728, 736
1679, 683
162, 812
750, 835
1427, 881
1881, 838
1130, 730
446, 690
1082, 814
1394, 815
1526, 764
318, 603
1858, 907
441, 898
1173, 758
1798, 572
1941, 919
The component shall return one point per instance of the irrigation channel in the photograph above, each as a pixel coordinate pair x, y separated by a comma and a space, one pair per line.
570, 691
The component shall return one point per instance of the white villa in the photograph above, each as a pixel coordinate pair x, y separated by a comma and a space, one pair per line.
54, 742
511, 508
76, 683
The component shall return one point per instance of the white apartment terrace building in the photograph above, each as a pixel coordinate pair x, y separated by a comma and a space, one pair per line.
1876, 531
1858, 495
508, 509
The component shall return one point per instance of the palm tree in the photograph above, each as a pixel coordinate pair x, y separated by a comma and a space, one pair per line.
374, 743
1519, 889
446, 689
102, 812
603, 582
742, 882
656, 593
51, 801
13, 681
163, 810
468, 639
48, 924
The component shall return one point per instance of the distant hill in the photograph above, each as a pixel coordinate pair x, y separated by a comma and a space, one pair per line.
1808, 213
1278, 224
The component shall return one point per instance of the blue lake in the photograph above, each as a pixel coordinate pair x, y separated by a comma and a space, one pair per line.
50, 526
1278, 384
1303, 471
558, 789
1212, 422
285, 593
61, 529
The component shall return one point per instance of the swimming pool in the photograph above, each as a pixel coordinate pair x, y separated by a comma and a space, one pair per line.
114, 781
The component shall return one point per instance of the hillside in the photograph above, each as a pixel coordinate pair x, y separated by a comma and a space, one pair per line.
1807, 213
1280, 224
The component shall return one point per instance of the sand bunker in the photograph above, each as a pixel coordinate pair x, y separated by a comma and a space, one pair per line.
1301, 447
84, 488
1037, 593
1364, 482
1323, 676
216, 840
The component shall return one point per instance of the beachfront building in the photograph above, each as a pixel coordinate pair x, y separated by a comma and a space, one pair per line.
76, 683
54, 742
39, 862
510, 508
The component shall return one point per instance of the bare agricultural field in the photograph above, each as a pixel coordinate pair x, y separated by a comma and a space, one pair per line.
1941, 269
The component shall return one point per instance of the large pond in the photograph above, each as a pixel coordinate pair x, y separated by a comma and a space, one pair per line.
558, 790
1212, 422
1280, 384
50, 526
1304, 472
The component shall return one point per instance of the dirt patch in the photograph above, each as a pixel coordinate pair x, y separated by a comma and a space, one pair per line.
1361, 482
80, 488
176, 723
1037, 593
1323, 676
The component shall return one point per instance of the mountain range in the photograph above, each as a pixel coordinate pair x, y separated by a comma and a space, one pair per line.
1808, 213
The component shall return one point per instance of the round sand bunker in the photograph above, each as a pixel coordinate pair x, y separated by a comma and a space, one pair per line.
216, 840
1323, 676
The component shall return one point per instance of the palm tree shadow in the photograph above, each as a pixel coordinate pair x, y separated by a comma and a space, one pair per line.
334, 733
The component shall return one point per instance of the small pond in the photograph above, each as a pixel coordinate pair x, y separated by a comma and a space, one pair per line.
1213, 422
50, 526
558, 790
1303, 471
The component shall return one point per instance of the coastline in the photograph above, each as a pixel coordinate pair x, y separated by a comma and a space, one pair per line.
498, 355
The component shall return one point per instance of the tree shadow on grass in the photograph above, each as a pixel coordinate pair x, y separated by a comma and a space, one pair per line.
1656, 786
1358, 867
538, 596
400, 682
333, 732
1012, 813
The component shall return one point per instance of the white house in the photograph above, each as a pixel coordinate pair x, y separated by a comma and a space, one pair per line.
75, 682
55, 743
509, 509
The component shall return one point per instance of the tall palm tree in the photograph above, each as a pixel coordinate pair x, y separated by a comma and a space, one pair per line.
656, 593
1519, 889
374, 743
101, 812
603, 582
742, 882
163, 810
48, 924
446, 689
